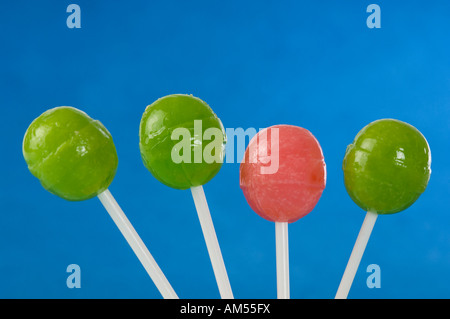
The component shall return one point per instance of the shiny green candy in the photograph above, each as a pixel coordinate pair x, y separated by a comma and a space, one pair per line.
182, 141
387, 167
71, 154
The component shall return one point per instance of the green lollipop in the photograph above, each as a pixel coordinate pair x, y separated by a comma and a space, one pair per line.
386, 169
187, 163
387, 166
74, 157
182, 143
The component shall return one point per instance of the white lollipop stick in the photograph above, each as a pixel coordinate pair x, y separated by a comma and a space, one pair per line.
356, 255
137, 245
282, 252
212, 243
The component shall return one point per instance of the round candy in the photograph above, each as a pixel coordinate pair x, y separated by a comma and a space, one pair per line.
72, 155
387, 166
283, 173
182, 141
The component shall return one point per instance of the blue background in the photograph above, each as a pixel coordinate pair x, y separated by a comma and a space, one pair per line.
313, 64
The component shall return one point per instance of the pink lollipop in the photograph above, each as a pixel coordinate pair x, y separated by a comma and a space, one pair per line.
282, 180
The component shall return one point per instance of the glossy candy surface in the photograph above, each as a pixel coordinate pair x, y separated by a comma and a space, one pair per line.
71, 154
387, 166
159, 141
294, 185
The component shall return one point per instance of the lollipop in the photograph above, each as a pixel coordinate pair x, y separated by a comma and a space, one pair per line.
172, 136
386, 169
285, 190
74, 157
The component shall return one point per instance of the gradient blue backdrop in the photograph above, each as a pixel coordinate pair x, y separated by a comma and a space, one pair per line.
313, 64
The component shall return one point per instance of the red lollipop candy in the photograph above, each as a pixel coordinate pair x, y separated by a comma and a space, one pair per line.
283, 175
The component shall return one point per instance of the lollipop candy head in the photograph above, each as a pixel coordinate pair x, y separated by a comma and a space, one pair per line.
290, 191
182, 141
71, 154
387, 166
